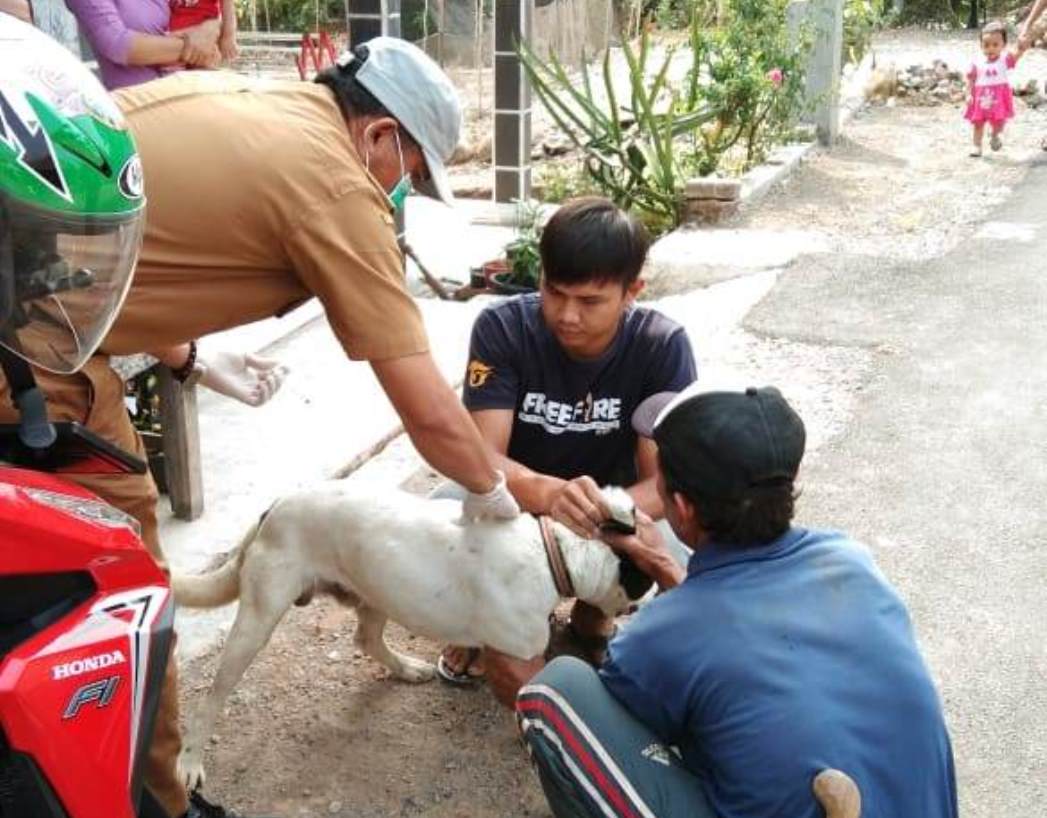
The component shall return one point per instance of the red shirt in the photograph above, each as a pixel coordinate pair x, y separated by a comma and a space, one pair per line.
186, 13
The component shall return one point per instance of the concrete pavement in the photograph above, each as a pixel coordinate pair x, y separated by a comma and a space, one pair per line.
942, 471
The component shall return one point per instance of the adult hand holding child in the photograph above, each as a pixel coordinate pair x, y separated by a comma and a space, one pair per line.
200, 44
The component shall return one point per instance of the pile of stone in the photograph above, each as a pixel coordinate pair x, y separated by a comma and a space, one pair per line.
926, 86
1030, 93
936, 84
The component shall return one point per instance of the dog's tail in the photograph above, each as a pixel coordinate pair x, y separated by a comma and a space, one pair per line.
218, 587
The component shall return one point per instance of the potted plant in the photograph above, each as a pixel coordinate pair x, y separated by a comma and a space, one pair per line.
521, 269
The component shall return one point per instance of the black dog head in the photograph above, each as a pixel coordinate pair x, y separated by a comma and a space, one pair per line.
635, 582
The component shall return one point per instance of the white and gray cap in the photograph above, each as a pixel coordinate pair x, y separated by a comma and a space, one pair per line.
421, 97
653, 409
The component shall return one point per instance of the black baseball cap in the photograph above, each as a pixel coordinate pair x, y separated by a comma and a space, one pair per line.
721, 444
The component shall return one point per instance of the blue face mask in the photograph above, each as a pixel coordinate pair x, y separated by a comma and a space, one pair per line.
402, 189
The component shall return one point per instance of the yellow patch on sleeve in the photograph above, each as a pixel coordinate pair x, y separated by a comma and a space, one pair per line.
479, 372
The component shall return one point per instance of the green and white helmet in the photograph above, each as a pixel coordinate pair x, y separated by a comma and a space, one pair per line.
71, 202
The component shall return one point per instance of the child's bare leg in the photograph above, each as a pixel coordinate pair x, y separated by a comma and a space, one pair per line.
995, 142
979, 136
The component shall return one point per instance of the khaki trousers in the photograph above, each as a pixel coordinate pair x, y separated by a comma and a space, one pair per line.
95, 397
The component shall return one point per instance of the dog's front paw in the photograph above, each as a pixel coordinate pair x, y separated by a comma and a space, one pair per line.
191, 769
622, 508
415, 671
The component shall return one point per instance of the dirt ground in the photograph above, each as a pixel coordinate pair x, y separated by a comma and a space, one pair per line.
316, 730
343, 738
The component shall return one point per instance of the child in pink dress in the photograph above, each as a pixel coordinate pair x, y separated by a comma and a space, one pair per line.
991, 100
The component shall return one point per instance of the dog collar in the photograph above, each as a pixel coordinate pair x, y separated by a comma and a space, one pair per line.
561, 578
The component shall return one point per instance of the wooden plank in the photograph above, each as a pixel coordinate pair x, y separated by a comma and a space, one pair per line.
181, 447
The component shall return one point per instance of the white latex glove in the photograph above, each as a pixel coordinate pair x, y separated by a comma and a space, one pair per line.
247, 378
497, 504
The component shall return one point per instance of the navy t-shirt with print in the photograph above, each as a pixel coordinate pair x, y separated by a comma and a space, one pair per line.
571, 417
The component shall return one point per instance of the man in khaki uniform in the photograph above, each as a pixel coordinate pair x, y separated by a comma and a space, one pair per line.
261, 195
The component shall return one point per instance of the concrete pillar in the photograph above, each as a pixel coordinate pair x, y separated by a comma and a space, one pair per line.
825, 21
512, 101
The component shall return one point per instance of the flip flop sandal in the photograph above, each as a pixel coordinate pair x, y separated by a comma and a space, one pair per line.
977, 153
1043, 144
995, 142
462, 678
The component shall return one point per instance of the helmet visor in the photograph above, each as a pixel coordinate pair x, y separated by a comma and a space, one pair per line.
65, 282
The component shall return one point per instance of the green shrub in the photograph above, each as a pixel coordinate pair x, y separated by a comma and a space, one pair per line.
861, 20
413, 17
628, 148
294, 16
742, 91
563, 180
679, 14
750, 74
957, 13
522, 253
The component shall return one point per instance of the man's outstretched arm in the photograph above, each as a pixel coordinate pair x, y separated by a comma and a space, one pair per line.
576, 503
436, 421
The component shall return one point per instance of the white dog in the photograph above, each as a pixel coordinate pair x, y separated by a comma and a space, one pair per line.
394, 555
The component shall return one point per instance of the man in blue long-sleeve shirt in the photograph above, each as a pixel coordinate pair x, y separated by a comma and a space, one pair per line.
783, 652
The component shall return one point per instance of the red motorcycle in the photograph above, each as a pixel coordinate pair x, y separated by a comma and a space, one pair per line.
85, 628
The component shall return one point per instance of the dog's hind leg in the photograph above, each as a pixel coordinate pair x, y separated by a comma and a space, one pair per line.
370, 638
262, 606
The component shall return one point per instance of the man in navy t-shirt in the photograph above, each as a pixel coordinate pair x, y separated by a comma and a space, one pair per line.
554, 377
783, 653
568, 417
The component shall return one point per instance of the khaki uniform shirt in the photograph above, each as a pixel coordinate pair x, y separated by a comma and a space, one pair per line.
257, 200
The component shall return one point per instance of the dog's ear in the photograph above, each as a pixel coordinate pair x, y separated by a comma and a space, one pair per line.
635, 582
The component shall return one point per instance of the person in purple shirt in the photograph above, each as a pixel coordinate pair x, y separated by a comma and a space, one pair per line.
132, 44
